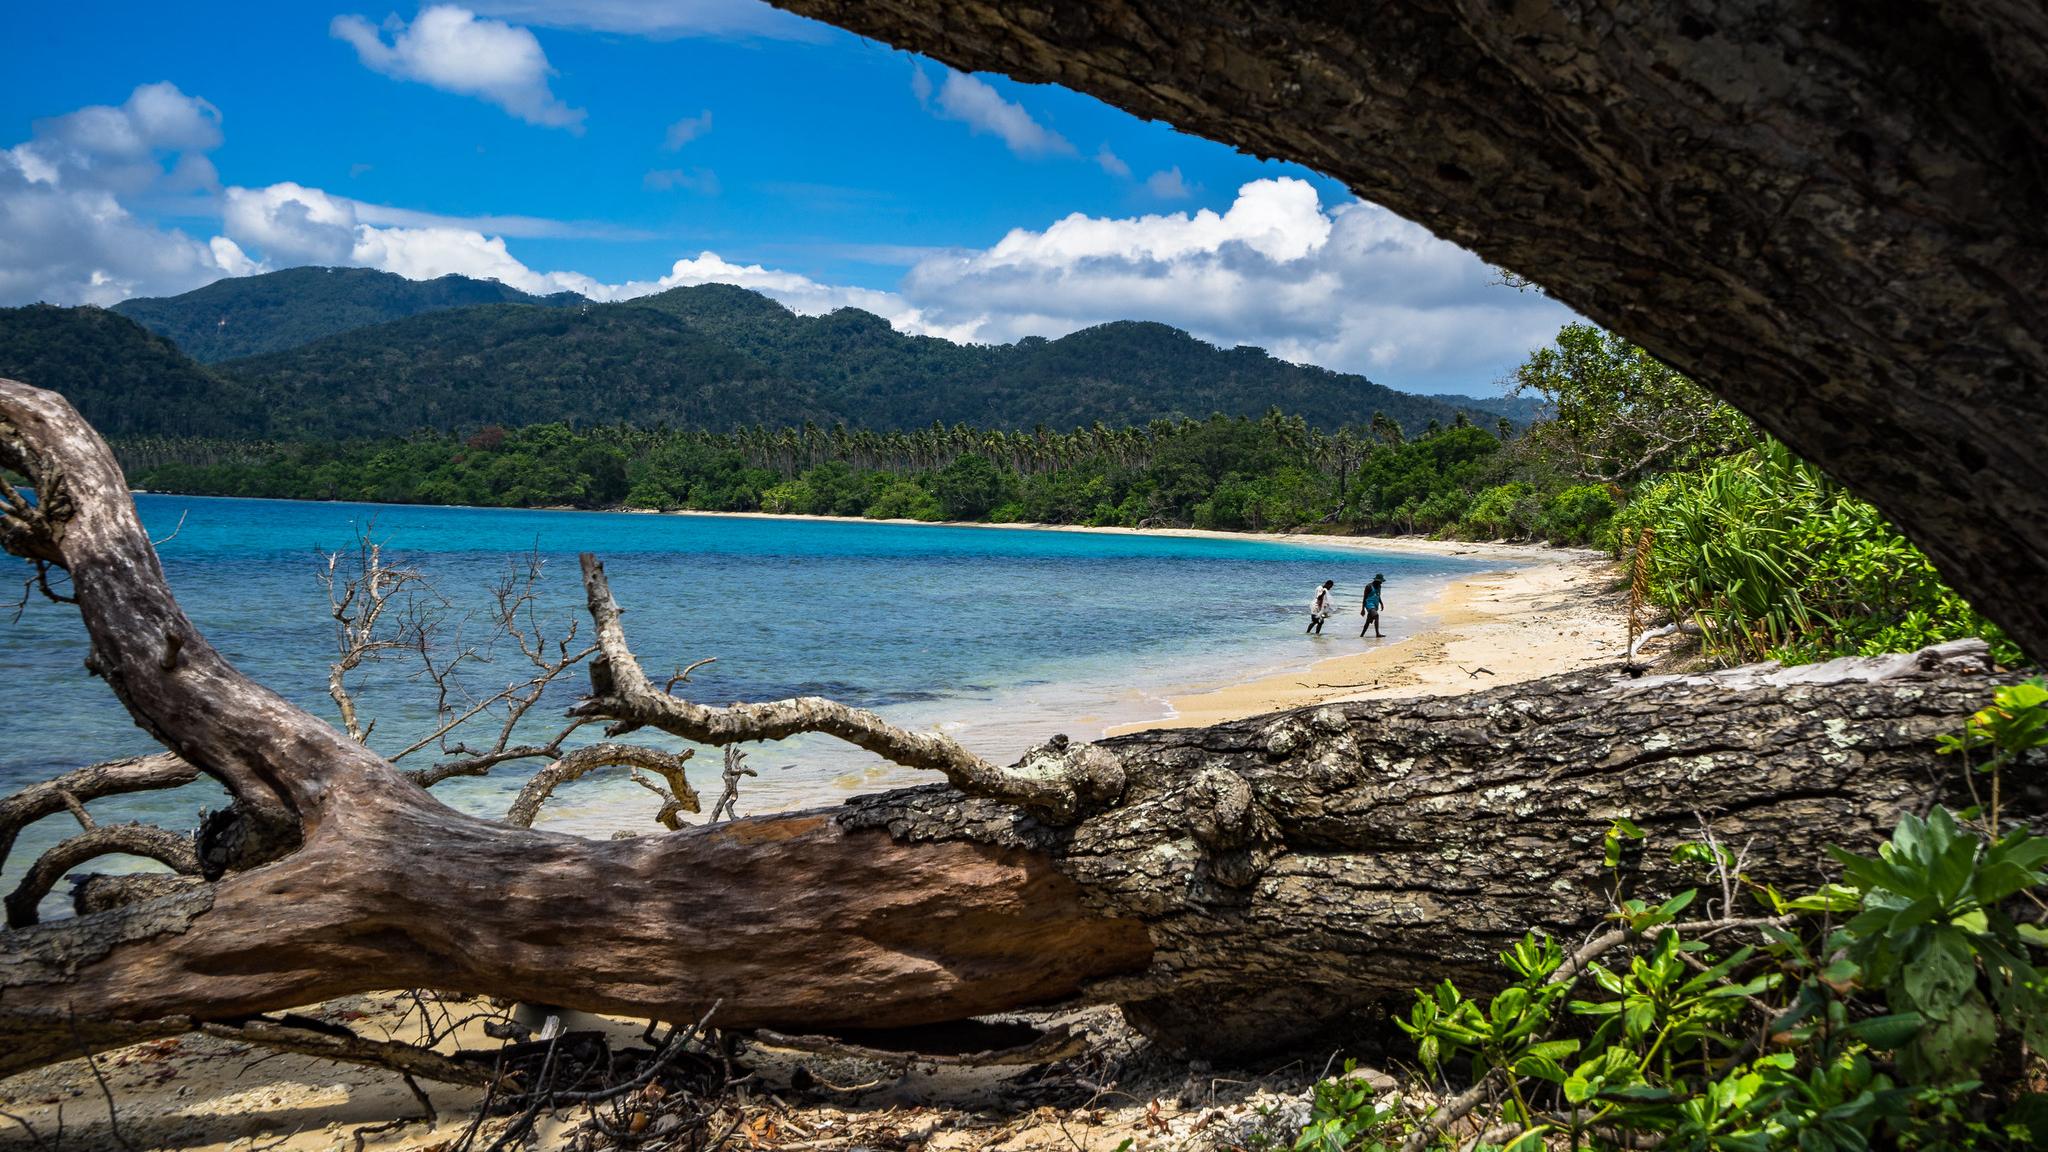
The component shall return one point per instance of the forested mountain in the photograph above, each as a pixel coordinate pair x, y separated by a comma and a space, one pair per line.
251, 315
711, 356
122, 377
715, 356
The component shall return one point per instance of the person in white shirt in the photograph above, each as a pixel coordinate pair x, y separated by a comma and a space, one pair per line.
1320, 610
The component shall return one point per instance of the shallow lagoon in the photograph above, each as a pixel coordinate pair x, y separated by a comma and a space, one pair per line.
1000, 636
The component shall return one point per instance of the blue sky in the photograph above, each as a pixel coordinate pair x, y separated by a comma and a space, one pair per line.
594, 145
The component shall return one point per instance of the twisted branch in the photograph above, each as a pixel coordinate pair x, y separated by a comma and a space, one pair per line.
582, 761
164, 847
83, 785
1058, 781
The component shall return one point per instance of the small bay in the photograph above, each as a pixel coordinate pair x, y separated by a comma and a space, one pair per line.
999, 636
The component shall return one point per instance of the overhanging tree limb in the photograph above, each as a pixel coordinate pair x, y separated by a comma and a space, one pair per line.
1834, 217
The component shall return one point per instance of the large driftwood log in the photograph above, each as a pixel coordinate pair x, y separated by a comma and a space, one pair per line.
1230, 886
1834, 214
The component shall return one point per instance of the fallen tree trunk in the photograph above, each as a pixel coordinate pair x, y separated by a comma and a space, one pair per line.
1232, 887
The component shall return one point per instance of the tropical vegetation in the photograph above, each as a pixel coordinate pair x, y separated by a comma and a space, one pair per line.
1904, 1007
712, 357
1733, 536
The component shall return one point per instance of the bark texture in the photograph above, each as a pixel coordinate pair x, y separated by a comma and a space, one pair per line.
1832, 213
1230, 886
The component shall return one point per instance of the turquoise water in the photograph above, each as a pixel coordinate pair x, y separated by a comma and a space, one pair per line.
999, 636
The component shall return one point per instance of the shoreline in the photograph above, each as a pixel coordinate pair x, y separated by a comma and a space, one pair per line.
1539, 613
1549, 615
1414, 545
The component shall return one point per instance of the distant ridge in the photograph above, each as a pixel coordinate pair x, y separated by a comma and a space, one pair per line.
709, 356
251, 315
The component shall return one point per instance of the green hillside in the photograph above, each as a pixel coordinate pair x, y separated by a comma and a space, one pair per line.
251, 315
715, 356
712, 356
122, 377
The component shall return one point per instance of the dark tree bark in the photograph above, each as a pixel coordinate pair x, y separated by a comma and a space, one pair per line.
1834, 214
1228, 886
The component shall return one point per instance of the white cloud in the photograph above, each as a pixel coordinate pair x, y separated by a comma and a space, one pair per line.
455, 50
291, 224
66, 236
1348, 286
1353, 287
687, 129
1168, 185
660, 19
1112, 163
978, 105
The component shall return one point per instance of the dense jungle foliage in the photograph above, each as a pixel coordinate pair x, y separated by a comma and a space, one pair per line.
1740, 539
1902, 1008
251, 315
1272, 473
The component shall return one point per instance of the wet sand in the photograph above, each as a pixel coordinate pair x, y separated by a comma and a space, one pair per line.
1557, 611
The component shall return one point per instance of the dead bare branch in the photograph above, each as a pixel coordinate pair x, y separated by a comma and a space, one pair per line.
145, 840
358, 598
590, 758
314, 1038
735, 768
1059, 780
84, 785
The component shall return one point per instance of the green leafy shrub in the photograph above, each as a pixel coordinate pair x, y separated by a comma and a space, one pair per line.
904, 500
1775, 561
1581, 514
792, 497
1920, 1022
1505, 510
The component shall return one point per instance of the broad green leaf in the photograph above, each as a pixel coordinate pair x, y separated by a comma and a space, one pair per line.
1540, 1066
1943, 970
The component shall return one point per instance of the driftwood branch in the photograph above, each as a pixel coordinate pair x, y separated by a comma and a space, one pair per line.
168, 848
84, 785
1059, 780
735, 770
680, 797
343, 1046
1239, 885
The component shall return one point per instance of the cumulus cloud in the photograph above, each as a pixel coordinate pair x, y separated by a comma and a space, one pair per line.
66, 237
978, 105
293, 224
455, 50
1112, 163
1351, 287
687, 129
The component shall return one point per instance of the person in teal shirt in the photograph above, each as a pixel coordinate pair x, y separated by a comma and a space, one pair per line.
1370, 607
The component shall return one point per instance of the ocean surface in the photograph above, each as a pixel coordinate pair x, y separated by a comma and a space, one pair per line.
1001, 637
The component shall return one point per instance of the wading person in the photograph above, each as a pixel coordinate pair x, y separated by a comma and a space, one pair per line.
1319, 611
1370, 606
